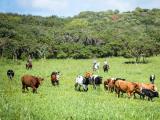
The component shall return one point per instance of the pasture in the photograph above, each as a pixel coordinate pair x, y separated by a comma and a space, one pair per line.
64, 103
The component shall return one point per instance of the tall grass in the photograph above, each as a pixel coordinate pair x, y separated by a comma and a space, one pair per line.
63, 102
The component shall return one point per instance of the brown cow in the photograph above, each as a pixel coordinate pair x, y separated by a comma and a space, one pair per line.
109, 84
31, 81
106, 84
125, 87
88, 74
148, 86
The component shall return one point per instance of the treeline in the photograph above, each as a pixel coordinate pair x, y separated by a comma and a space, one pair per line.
89, 34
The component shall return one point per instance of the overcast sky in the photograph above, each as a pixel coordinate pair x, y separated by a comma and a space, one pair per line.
72, 7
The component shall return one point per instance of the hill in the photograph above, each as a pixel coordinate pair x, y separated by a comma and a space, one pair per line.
86, 35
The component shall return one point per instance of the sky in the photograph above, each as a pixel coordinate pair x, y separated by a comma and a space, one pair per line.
65, 8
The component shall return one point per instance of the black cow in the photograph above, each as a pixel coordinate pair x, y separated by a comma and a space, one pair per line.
105, 68
95, 80
149, 93
152, 78
10, 74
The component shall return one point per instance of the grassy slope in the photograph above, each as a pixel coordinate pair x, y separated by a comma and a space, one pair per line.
64, 103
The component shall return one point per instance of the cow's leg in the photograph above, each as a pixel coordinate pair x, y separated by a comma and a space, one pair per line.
53, 82
79, 87
143, 96
118, 93
75, 85
34, 90
85, 88
57, 82
129, 94
23, 88
134, 94
10, 77
112, 89
27, 88
94, 85
107, 87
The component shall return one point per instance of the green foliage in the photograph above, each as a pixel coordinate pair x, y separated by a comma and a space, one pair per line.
88, 34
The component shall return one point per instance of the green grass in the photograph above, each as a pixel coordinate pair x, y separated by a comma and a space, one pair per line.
63, 102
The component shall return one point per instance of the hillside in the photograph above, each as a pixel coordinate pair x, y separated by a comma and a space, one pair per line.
86, 35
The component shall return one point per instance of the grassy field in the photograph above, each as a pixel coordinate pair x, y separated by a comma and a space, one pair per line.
64, 103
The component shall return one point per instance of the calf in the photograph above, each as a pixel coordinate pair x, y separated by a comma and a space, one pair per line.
149, 93
30, 81
10, 74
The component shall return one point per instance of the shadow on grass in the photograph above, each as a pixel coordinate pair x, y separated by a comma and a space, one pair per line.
134, 62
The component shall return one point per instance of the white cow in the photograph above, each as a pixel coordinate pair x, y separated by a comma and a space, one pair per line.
96, 66
81, 81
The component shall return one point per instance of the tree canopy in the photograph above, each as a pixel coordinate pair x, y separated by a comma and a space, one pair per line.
86, 35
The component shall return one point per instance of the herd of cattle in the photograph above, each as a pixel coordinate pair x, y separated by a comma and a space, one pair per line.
117, 85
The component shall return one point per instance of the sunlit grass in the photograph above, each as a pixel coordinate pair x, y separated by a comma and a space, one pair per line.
64, 102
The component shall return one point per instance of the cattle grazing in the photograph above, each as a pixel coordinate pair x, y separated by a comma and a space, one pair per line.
31, 81
125, 87
95, 80
105, 68
152, 78
29, 66
81, 81
10, 74
148, 86
149, 93
55, 78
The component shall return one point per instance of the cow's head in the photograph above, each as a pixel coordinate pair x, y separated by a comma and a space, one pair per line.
156, 94
39, 79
